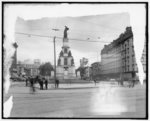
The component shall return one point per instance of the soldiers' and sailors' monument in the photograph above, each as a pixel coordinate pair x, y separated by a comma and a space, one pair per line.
65, 65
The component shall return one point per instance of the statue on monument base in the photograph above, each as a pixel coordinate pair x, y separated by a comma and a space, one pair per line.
65, 34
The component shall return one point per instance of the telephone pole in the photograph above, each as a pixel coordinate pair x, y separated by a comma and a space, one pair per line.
54, 59
55, 56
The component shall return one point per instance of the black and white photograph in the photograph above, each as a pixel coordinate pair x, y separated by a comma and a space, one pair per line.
74, 60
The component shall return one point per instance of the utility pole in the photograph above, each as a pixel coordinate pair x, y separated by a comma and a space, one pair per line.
55, 57
54, 60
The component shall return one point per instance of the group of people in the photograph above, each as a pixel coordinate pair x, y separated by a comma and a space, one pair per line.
31, 81
42, 82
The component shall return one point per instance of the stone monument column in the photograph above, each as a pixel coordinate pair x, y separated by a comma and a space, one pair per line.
65, 67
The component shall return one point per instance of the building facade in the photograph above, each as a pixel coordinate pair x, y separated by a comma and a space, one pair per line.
84, 70
87, 74
84, 62
95, 69
28, 69
118, 58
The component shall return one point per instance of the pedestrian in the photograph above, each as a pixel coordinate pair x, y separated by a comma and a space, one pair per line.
56, 83
133, 82
121, 82
94, 81
36, 79
46, 84
32, 86
26, 81
42, 84
39, 81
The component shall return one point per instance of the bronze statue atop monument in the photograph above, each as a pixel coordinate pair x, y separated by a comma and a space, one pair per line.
65, 38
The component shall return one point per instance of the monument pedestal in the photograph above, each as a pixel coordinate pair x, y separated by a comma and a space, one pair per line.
63, 73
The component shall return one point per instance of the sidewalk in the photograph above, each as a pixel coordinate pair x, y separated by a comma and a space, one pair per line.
61, 85
72, 85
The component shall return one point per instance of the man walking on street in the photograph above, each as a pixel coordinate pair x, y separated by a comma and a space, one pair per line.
95, 81
40, 80
42, 84
32, 86
27, 79
46, 84
56, 83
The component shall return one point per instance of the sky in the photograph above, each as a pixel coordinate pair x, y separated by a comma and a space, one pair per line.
101, 28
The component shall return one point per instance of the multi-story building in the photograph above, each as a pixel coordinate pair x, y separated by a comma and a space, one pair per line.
87, 72
28, 69
118, 58
96, 69
84, 62
84, 70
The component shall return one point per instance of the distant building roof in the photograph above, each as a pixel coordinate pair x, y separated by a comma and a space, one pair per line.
95, 64
124, 36
29, 65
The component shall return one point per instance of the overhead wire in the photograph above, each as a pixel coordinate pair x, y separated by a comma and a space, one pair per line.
79, 33
74, 31
21, 33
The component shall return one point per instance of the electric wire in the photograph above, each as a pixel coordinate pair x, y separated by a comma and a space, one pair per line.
28, 34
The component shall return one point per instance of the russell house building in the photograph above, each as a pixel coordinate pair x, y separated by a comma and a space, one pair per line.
118, 57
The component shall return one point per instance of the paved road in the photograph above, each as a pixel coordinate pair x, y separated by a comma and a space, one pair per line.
79, 102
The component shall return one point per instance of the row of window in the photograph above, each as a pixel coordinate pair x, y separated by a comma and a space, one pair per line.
113, 70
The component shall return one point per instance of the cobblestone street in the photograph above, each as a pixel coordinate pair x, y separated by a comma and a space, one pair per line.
74, 101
